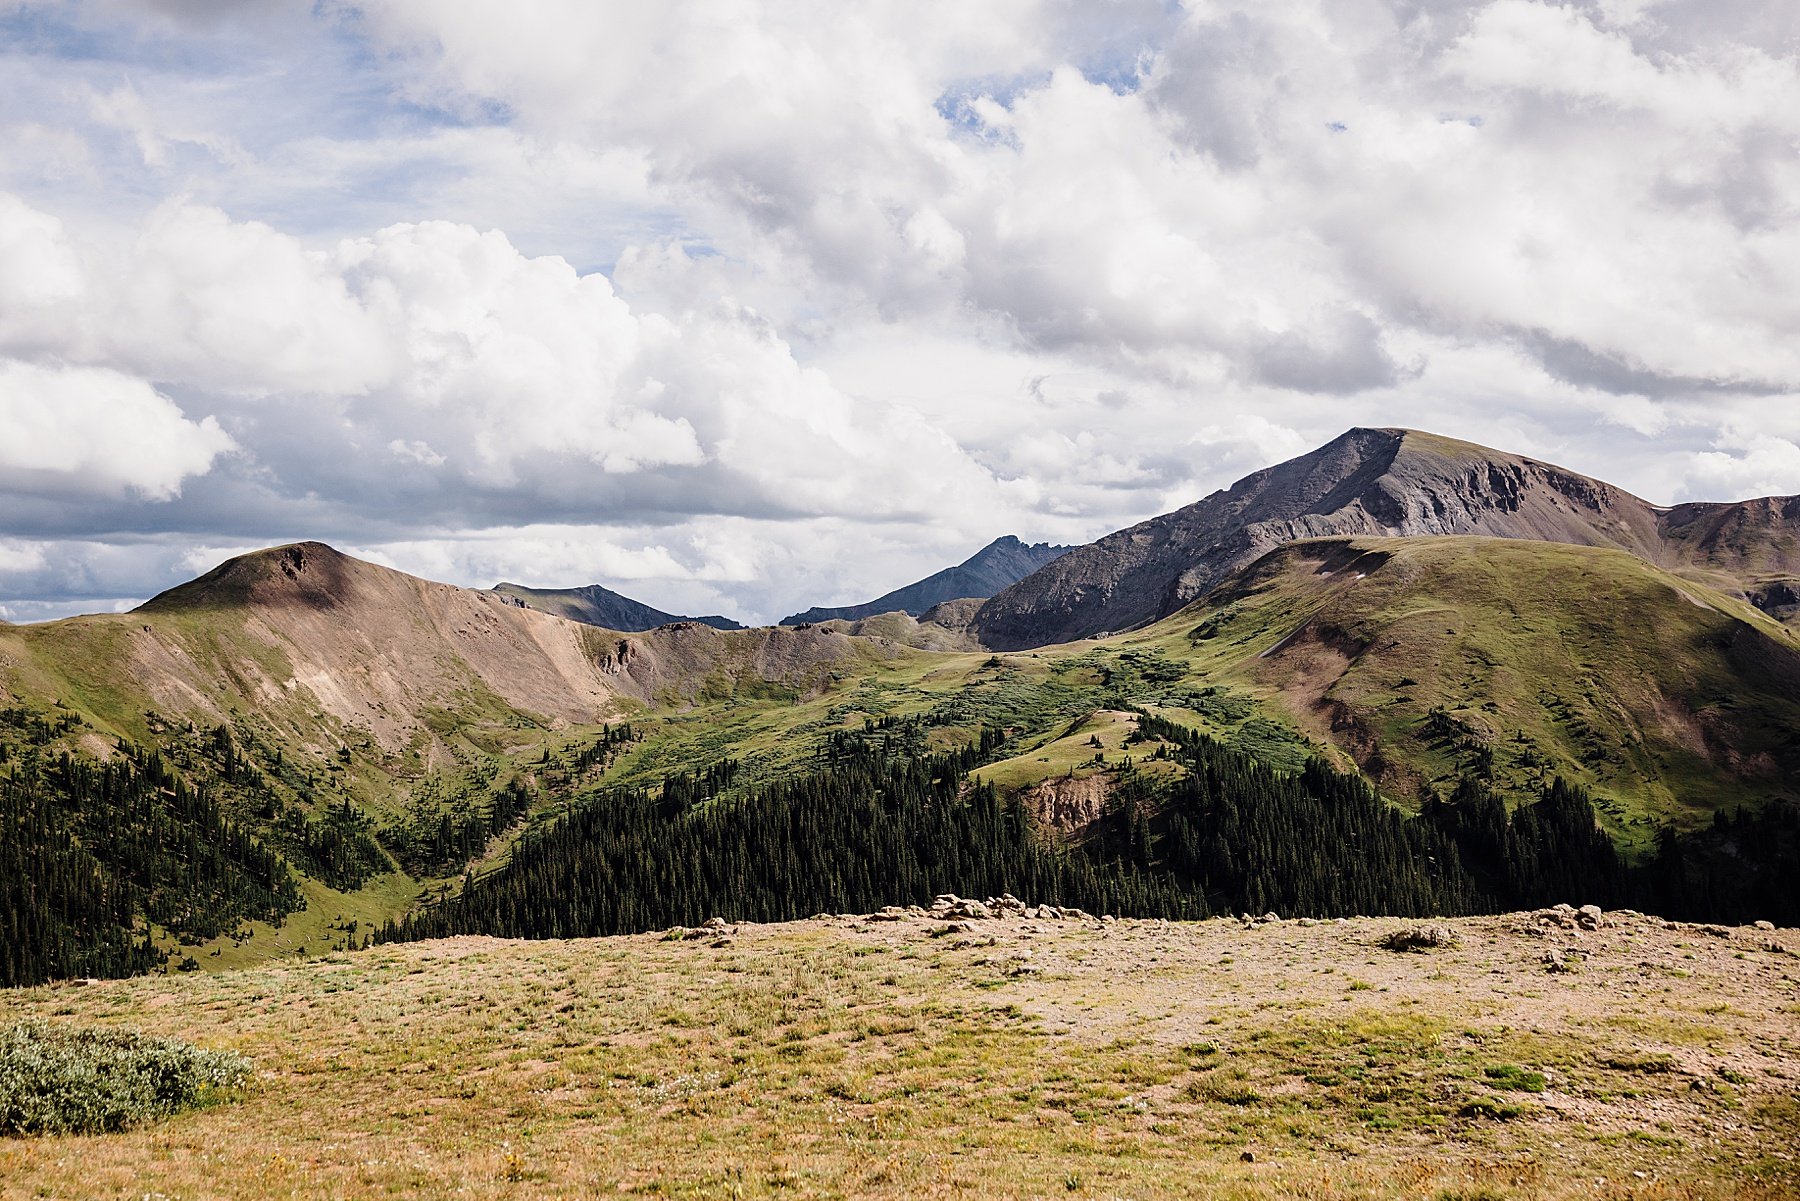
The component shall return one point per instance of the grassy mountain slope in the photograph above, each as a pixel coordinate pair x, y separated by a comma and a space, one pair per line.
1419, 660
331, 651
339, 683
1424, 658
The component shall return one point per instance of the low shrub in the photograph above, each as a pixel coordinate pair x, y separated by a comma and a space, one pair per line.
62, 1081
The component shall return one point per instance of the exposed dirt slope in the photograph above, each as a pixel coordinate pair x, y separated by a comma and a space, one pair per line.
309, 635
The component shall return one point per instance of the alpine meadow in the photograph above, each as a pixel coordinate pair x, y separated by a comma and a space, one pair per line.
1162, 721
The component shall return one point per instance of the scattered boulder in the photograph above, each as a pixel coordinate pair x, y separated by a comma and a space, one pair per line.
1567, 917
1765, 925
1421, 939
1555, 961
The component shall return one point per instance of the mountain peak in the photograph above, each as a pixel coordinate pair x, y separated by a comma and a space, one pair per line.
311, 573
1392, 482
596, 605
1004, 561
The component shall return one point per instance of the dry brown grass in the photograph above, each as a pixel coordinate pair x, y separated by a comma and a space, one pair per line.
837, 1058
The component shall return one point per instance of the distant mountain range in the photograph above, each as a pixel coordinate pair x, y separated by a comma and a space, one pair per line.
597, 606
1395, 483
1000, 563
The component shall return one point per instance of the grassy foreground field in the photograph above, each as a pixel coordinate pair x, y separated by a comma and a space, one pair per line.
843, 1057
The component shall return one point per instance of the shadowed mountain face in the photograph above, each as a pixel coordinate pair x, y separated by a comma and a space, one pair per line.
1001, 562
1379, 482
597, 606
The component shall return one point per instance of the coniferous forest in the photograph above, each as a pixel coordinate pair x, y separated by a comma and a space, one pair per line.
93, 854
1228, 835
96, 856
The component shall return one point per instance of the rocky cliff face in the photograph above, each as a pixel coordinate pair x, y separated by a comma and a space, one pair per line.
1379, 482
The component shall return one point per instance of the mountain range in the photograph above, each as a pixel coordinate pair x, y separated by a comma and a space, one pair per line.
596, 605
1428, 615
1394, 483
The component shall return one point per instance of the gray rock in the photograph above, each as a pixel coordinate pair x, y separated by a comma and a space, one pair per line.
1421, 938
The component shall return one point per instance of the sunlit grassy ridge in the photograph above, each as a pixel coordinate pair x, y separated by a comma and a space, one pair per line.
1428, 658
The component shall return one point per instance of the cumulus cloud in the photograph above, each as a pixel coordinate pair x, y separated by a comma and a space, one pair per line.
87, 431
721, 293
1277, 186
435, 365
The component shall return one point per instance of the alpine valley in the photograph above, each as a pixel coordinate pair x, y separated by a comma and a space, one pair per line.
1400, 674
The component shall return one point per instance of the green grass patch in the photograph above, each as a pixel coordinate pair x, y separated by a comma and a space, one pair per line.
1515, 1079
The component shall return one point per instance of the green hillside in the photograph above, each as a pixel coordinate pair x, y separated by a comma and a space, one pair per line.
1432, 658
383, 736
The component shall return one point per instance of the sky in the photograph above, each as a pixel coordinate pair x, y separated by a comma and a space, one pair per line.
743, 307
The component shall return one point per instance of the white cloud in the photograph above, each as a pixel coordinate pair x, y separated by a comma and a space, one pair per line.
806, 296
87, 431
40, 277
1745, 463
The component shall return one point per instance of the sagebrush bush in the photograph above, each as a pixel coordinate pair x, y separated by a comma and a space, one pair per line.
62, 1081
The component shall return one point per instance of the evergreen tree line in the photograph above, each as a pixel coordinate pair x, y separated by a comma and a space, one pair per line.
1230, 834
93, 853
338, 846
1744, 868
1319, 842
612, 739
1322, 842
863, 833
